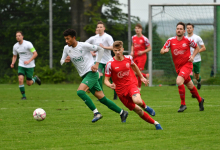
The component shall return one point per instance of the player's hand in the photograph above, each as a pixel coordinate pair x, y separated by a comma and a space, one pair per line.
101, 45
26, 62
112, 86
166, 50
93, 53
145, 81
140, 53
67, 59
132, 54
191, 58
12, 65
94, 68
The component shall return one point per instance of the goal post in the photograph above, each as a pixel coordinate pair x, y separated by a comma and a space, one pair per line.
163, 18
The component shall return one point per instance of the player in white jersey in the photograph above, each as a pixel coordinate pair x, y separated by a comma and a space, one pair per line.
105, 41
27, 54
79, 53
197, 59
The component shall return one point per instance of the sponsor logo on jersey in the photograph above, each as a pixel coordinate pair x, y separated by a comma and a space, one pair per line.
121, 74
184, 45
173, 44
183, 72
178, 52
78, 59
116, 67
127, 65
21, 53
80, 51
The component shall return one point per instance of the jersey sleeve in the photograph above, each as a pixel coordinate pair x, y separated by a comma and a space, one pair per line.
14, 51
146, 41
31, 47
200, 41
131, 58
63, 56
110, 41
192, 43
90, 40
167, 44
89, 47
108, 69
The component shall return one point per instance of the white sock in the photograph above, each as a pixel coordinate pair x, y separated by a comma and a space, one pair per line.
155, 122
146, 107
95, 111
121, 112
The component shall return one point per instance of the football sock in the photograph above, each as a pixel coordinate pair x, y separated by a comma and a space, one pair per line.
139, 82
110, 104
147, 118
144, 75
196, 94
34, 79
199, 79
191, 78
182, 94
21, 87
143, 104
155, 122
86, 99
95, 111
100, 82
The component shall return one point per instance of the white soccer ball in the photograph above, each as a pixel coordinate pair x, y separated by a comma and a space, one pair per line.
39, 114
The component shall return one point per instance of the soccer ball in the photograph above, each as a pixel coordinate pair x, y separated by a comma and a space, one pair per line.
39, 114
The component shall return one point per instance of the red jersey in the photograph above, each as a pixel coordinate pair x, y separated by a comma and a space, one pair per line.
121, 74
180, 50
139, 44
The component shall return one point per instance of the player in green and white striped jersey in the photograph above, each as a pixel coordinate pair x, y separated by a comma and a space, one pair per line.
79, 53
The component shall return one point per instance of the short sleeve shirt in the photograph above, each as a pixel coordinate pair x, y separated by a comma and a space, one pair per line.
139, 44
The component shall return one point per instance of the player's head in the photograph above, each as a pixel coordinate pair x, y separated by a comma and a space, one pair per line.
138, 28
70, 36
100, 27
189, 28
19, 36
118, 48
96, 31
180, 29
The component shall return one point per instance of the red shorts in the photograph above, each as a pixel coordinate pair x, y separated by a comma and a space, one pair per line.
184, 72
140, 61
126, 97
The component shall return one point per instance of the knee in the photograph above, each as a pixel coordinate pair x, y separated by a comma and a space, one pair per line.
20, 80
179, 82
29, 83
80, 93
138, 110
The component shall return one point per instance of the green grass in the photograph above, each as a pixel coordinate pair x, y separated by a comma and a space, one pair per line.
68, 123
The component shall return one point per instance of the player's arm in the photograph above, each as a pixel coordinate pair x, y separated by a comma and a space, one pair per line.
33, 57
202, 49
196, 51
132, 50
90, 41
108, 84
164, 50
14, 58
146, 50
106, 47
64, 56
138, 72
101, 52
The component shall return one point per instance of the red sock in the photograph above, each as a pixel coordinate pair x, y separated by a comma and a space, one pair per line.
144, 75
147, 118
143, 105
196, 94
182, 94
139, 82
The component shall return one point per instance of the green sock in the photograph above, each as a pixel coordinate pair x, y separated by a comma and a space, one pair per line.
21, 87
100, 82
34, 79
191, 78
199, 79
110, 104
86, 99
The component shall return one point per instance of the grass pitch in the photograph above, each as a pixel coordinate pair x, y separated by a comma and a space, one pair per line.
68, 123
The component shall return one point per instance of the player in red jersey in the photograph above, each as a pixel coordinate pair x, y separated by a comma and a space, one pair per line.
180, 49
124, 83
138, 50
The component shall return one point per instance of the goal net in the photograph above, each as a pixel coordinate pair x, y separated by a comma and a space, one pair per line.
162, 25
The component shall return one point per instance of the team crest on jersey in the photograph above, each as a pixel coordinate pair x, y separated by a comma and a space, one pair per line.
80, 51
141, 41
184, 45
127, 65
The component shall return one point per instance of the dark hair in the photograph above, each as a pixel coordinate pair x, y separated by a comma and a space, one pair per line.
70, 32
138, 25
189, 24
100, 22
181, 23
20, 32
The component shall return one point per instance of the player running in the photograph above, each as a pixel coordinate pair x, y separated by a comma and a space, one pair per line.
27, 54
197, 60
119, 68
79, 53
180, 49
139, 51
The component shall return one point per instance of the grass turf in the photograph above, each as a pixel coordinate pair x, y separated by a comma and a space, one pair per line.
68, 122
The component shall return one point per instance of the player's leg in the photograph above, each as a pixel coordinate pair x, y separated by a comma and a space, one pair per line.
21, 74
191, 76
195, 93
181, 88
87, 83
197, 75
101, 68
137, 62
29, 77
115, 94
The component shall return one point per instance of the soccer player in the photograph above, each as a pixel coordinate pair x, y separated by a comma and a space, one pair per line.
79, 53
182, 58
105, 41
197, 60
119, 68
27, 54
140, 47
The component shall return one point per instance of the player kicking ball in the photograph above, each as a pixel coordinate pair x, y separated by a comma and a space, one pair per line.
119, 69
79, 54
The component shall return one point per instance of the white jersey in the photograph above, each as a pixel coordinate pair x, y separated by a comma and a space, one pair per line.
25, 51
197, 39
80, 56
91, 41
105, 40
